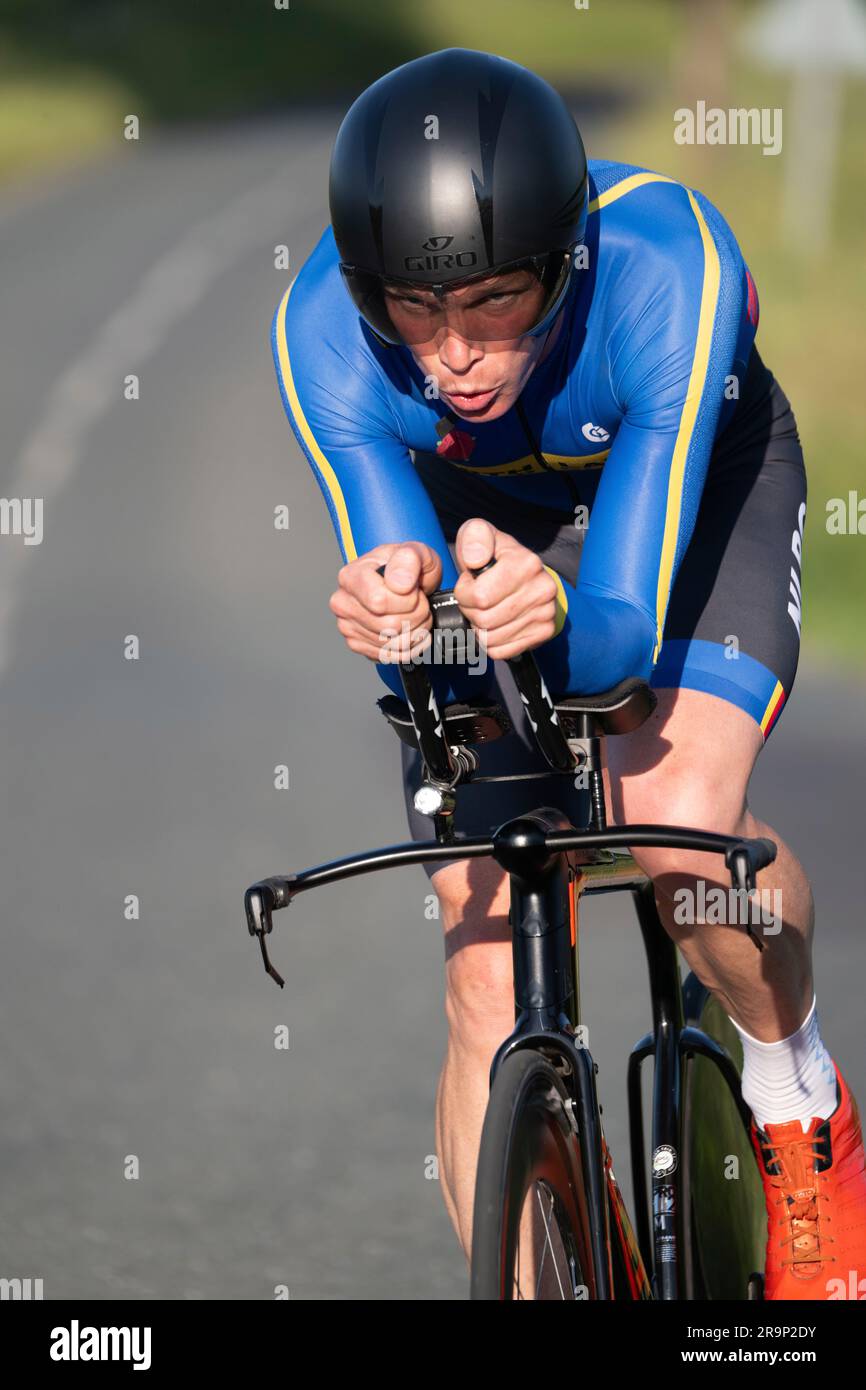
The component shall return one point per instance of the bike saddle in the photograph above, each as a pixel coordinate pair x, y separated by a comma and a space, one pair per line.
617, 711
478, 723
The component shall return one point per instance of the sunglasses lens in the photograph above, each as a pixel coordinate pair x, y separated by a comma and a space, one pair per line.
492, 308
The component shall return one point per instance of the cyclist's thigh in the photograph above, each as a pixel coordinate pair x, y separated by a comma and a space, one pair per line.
690, 763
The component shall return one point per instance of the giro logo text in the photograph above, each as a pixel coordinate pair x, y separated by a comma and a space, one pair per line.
448, 261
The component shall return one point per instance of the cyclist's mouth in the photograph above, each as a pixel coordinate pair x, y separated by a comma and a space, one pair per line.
471, 402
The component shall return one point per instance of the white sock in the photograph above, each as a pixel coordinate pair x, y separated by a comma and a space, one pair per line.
789, 1080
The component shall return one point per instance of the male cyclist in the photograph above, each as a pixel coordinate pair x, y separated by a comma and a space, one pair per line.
497, 352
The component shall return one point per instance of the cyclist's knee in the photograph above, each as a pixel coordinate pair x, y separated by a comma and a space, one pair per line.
469, 891
479, 981
700, 798
479, 995
690, 766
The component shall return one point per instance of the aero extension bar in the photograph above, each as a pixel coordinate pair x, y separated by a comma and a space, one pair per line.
526, 845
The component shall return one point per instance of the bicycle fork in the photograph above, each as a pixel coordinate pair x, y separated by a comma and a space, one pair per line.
543, 918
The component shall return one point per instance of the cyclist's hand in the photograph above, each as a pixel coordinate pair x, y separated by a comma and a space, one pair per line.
387, 617
513, 605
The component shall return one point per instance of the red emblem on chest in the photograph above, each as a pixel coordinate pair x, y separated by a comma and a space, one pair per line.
455, 445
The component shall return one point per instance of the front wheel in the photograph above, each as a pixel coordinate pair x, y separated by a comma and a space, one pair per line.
729, 1218
530, 1235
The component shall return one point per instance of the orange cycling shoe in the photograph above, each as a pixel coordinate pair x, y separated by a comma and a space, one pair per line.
815, 1188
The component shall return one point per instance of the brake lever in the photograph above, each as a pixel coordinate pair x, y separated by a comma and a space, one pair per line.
744, 859
260, 903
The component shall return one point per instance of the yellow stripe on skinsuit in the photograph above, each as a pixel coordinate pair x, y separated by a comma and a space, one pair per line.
697, 380
530, 464
700, 363
561, 602
331, 481
619, 190
771, 707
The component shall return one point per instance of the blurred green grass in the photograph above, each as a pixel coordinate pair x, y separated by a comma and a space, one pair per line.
70, 70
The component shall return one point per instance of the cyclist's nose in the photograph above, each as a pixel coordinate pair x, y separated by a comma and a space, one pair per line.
456, 353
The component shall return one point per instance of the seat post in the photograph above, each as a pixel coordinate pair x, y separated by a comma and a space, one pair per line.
587, 744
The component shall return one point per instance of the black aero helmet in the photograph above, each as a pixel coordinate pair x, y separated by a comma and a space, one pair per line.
455, 165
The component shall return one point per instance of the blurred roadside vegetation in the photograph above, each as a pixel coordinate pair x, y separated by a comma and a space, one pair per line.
812, 330
70, 70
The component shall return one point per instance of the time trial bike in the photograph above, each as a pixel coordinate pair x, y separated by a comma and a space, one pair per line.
549, 1219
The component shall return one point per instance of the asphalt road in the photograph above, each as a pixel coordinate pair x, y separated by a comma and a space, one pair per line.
143, 1042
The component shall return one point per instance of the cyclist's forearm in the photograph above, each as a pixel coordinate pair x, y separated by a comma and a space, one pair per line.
604, 639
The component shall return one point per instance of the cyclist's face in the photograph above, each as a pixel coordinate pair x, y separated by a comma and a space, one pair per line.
473, 341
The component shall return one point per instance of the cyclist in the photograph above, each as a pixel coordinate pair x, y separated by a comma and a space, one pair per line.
497, 351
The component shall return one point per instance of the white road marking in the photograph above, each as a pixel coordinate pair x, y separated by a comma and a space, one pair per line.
92, 384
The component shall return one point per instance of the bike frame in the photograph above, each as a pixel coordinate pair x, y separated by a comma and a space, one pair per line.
546, 890
545, 895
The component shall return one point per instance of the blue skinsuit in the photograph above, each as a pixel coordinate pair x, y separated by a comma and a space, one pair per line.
636, 390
